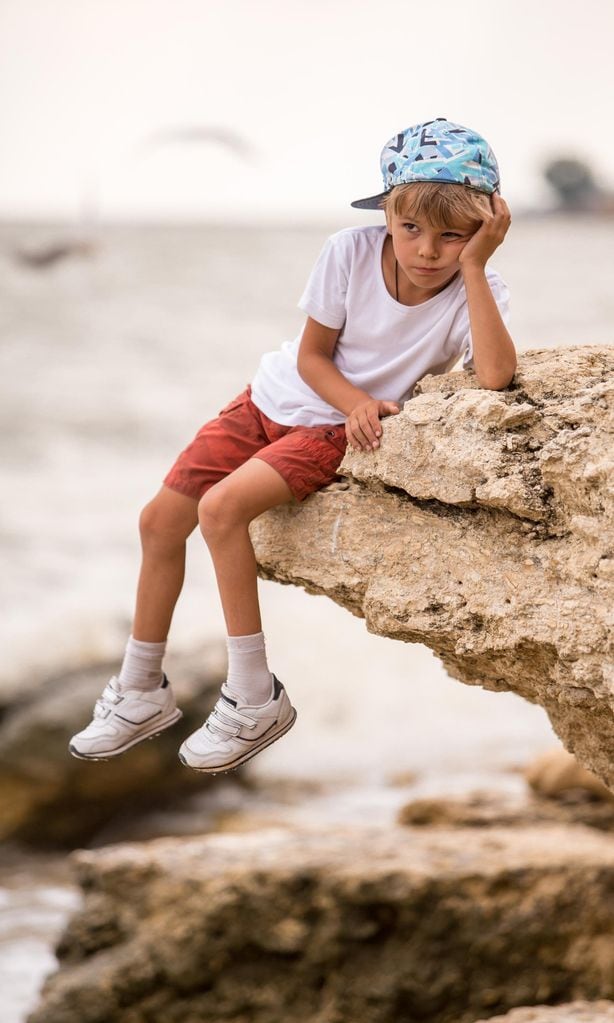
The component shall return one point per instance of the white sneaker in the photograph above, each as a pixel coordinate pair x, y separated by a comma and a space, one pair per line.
230, 735
123, 717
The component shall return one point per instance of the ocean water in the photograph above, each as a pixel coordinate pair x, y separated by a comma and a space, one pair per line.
108, 365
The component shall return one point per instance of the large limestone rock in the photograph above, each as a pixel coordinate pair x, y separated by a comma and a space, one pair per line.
364, 925
484, 528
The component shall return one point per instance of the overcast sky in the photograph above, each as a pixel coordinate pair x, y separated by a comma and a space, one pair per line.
91, 92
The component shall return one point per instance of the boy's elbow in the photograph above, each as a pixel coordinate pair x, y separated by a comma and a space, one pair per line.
496, 379
495, 383
307, 366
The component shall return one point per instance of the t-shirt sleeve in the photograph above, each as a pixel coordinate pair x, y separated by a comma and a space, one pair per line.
462, 329
324, 296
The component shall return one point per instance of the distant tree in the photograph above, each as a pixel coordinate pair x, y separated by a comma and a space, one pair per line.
574, 183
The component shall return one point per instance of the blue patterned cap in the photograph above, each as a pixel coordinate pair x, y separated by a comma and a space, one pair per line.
437, 150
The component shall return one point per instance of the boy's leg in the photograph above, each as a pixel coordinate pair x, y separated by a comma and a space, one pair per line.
253, 709
139, 703
224, 513
165, 524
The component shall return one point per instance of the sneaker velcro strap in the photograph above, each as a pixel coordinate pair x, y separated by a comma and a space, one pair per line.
109, 696
228, 720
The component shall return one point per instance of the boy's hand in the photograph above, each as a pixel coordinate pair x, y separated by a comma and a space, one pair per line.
488, 237
362, 426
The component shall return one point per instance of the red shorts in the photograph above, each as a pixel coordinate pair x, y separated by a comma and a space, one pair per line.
307, 457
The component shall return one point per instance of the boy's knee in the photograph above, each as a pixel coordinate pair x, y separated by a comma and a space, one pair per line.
210, 512
161, 529
219, 510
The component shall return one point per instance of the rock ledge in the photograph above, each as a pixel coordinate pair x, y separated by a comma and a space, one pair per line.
484, 528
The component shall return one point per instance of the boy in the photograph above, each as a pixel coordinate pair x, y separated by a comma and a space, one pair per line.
385, 306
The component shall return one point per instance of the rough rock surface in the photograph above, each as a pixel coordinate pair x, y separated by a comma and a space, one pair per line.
574, 1012
48, 798
484, 528
352, 925
483, 809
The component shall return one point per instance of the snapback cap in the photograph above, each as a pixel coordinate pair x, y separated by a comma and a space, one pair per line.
437, 150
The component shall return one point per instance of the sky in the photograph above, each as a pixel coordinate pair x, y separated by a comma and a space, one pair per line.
277, 110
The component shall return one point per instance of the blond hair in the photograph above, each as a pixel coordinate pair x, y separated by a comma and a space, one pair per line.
441, 204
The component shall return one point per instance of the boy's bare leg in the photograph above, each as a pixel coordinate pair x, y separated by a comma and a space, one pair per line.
225, 512
165, 524
253, 709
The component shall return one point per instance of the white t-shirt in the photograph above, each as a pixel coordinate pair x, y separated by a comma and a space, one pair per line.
384, 347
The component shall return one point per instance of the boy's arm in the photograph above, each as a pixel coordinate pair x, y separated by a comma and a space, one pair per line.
494, 355
316, 367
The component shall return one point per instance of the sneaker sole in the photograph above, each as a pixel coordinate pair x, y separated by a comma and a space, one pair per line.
224, 768
151, 733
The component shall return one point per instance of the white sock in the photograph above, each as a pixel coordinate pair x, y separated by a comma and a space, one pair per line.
142, 665
249, 679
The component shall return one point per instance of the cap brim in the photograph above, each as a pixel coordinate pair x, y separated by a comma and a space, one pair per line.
373, 202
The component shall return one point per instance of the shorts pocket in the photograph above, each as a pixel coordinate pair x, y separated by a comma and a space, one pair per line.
334, 435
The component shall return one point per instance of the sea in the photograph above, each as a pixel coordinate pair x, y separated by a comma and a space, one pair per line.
114, 348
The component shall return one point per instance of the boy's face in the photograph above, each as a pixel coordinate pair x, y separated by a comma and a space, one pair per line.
427, 255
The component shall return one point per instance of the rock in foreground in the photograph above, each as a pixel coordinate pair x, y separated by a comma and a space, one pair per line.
347, 926
484, 528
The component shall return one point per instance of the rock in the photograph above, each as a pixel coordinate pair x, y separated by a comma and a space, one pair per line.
350, 924
49, 798
485, 809
557, 772
573, 1012
483, 527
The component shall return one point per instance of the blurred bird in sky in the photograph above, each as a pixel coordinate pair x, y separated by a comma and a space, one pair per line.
44, 255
